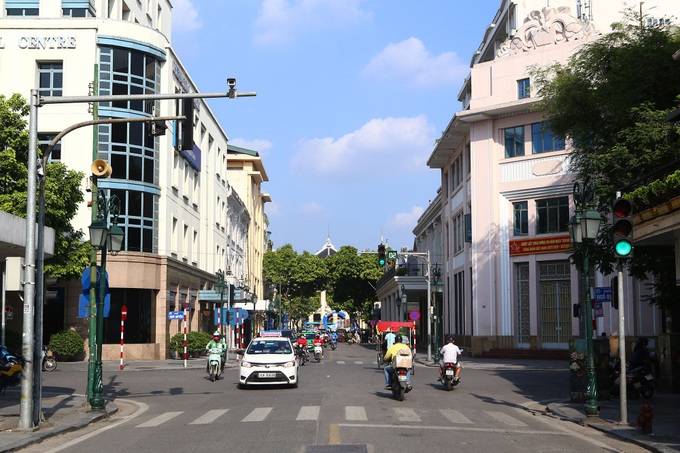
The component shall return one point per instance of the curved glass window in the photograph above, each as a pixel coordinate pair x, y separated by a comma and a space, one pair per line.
130, 151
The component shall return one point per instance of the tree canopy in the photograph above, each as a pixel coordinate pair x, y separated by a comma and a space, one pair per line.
62, 193
611, 100
348, 277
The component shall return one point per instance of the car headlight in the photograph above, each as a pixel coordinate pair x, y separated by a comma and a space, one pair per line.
245, 364
289, 364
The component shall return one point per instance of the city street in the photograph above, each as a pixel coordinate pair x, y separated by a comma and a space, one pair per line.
340, 402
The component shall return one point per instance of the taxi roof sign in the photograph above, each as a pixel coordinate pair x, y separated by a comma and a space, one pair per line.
270, 333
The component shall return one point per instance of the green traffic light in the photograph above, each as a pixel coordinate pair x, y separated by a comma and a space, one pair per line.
623, 248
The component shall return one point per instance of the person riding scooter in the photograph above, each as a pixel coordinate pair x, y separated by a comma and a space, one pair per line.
301, 343
217, 343
449, 354
394, 349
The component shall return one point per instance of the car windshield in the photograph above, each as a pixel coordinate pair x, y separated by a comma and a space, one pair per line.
269, 346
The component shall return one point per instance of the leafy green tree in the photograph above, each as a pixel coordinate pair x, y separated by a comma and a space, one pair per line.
611, 99
297, 279
62, 194
352, 280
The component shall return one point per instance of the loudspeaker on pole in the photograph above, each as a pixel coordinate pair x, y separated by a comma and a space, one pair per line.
101, 168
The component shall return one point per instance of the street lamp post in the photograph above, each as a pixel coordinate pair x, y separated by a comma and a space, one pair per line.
221, 288
583, 229
437, 275
103, 238
401, 300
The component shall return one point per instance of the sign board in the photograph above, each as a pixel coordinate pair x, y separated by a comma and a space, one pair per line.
123, 313
175, 315
603, 294
211, 294
414, 315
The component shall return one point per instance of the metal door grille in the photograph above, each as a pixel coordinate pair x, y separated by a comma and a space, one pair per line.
555, 304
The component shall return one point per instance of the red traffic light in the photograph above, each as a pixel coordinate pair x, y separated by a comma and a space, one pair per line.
622, 207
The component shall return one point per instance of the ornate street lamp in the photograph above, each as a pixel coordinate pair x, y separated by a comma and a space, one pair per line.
105, 239
586, 221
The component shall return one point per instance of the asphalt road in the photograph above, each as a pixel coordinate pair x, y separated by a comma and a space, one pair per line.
340, 406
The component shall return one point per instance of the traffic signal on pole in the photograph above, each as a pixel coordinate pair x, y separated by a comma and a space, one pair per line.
382, 258
186, 131
615, 292
622, 226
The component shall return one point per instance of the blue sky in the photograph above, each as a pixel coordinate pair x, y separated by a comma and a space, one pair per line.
351, 96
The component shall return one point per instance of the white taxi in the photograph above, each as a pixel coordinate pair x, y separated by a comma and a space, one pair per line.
268, 360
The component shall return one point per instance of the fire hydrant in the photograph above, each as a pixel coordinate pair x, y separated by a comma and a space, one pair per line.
645, 417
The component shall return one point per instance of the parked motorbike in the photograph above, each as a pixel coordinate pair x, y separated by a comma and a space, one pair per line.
49, 362
8, 357
214, 363
11, 367
302, 354
317, 352
640, 381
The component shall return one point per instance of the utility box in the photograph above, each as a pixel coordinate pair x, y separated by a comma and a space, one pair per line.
14, 273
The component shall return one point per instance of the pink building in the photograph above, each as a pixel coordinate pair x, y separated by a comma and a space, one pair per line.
508, 281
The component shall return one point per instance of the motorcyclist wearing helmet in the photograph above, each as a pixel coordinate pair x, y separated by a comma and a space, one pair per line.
449, 354
217, 343
318, 340
391, 352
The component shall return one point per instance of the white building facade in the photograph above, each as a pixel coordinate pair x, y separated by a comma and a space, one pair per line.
180, 214
508, 280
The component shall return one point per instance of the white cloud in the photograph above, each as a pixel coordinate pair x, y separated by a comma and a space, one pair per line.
280, 21
184, 16
411, 62
391, 144
311, 207
261, 145
407, 220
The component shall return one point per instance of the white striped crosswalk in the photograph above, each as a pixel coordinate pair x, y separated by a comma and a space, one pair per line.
356, 414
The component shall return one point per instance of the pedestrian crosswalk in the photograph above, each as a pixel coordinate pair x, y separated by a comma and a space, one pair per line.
352, 414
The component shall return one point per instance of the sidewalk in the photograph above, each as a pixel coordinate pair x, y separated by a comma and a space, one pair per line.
69, 412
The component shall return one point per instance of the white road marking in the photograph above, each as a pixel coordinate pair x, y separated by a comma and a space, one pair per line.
357, 413
455, 416
505, 418
407, 415
309, 413
209, 417
258, 414
159, 420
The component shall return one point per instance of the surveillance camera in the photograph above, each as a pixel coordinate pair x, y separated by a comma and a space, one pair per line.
231, 82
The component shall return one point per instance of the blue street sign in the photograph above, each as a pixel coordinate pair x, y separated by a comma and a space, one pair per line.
84, 300
176, 315
603, 294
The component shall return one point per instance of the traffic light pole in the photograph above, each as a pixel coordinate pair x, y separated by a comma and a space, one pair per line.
622, 345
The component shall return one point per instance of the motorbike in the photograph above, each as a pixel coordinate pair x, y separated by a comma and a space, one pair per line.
449, 374
303, 355
317, 352
640, 380
334, 344
10, 370
214, 363
49, 363
401, 363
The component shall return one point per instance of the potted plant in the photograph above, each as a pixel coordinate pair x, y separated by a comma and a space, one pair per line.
177, 346
196, 342
68, 345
